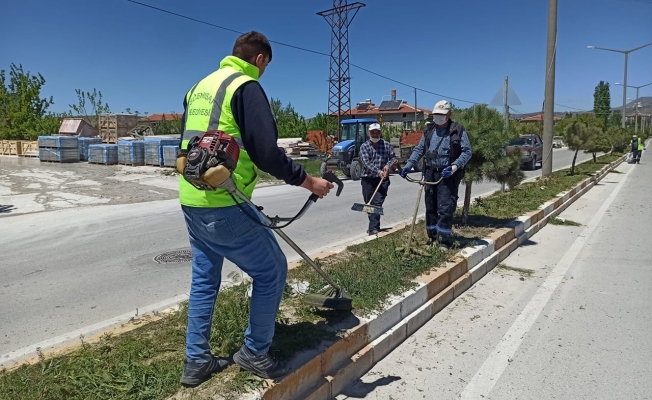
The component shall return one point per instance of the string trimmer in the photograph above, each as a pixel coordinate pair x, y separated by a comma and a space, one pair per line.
210, 163
421, 183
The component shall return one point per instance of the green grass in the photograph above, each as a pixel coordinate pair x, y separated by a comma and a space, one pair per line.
529, 196
371, 272
146, 363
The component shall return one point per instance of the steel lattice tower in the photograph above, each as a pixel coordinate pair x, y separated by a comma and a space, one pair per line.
339, 88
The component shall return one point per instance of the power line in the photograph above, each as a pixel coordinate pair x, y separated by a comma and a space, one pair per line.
572, 108
300, 48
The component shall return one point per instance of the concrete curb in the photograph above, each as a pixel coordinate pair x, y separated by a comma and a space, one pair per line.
327, 374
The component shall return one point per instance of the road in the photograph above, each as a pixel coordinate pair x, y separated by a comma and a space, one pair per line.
575, 326
68, 269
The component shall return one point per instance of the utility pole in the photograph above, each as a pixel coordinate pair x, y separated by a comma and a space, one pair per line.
415, 110
339, 18
625, 85
549, 105
506, 116
626, 53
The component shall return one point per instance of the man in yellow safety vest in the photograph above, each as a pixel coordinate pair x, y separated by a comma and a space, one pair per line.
231, 100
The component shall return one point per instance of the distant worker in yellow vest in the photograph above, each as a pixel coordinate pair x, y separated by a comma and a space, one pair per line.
231, 100
637, 149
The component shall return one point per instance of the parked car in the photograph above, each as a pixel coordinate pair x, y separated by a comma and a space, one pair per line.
558, 142
531, 147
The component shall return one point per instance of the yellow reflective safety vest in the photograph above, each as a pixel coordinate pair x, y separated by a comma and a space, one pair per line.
640, 144
209, 108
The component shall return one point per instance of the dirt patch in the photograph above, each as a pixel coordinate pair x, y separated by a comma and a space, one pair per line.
29, 185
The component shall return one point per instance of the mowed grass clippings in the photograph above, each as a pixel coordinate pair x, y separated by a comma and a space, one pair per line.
563, 222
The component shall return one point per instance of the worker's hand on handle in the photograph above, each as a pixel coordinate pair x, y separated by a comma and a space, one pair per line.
384, 172
318, 186
405, 171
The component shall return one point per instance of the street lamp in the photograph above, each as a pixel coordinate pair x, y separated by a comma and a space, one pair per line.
626, 53
636, 104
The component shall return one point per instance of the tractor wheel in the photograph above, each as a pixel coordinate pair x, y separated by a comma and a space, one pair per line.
322, 168
356, 170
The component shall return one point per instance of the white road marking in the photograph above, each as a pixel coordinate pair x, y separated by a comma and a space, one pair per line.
491, 370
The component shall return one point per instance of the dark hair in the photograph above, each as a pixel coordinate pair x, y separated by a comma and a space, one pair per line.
248, 46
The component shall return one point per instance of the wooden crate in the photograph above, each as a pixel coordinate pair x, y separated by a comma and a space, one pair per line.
115, 126
27, 145
10, 147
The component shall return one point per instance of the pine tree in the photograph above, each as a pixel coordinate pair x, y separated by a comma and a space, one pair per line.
578, 137
485, 128
602, 102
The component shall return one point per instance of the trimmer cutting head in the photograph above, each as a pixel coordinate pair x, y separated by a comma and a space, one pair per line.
335, 299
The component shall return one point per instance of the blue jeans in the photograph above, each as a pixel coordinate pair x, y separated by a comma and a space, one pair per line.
218, 233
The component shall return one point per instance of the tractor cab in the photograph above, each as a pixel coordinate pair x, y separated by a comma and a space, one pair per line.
346, 153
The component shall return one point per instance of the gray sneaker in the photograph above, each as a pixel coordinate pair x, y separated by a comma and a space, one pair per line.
265, 366
194, 373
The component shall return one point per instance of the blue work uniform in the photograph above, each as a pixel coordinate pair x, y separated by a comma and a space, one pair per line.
441, 200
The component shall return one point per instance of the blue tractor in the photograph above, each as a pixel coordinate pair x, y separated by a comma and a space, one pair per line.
346, 153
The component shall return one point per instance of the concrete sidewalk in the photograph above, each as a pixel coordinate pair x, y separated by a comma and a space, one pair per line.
563, 317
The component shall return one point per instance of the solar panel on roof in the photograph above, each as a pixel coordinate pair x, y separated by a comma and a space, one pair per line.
363, 106
386, 105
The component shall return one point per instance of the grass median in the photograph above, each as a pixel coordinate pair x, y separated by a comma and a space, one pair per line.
146, 363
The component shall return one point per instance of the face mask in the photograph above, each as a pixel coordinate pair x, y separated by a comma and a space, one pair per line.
440, 119
374, 140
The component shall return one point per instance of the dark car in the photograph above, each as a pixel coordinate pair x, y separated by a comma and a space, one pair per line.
531, 147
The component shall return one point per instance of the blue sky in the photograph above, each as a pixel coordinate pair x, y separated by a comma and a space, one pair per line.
147, 60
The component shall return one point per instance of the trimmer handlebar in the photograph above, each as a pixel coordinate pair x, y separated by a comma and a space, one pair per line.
422, 181
332, 178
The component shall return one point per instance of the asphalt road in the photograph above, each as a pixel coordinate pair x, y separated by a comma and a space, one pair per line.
574, 323
68, 269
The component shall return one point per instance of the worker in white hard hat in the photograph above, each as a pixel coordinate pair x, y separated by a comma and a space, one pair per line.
377, 158
446, 148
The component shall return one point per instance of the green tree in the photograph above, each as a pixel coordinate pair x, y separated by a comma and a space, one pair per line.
615, 119
288, 122
97, 106
619, 138
169, 125
602, 102
485, 128
578, 137
321, 122
561, 125
21, 106
526, 128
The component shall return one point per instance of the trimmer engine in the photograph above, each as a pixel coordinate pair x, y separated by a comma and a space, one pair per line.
210, 160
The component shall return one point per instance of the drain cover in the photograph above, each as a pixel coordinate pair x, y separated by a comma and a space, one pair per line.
176, 256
